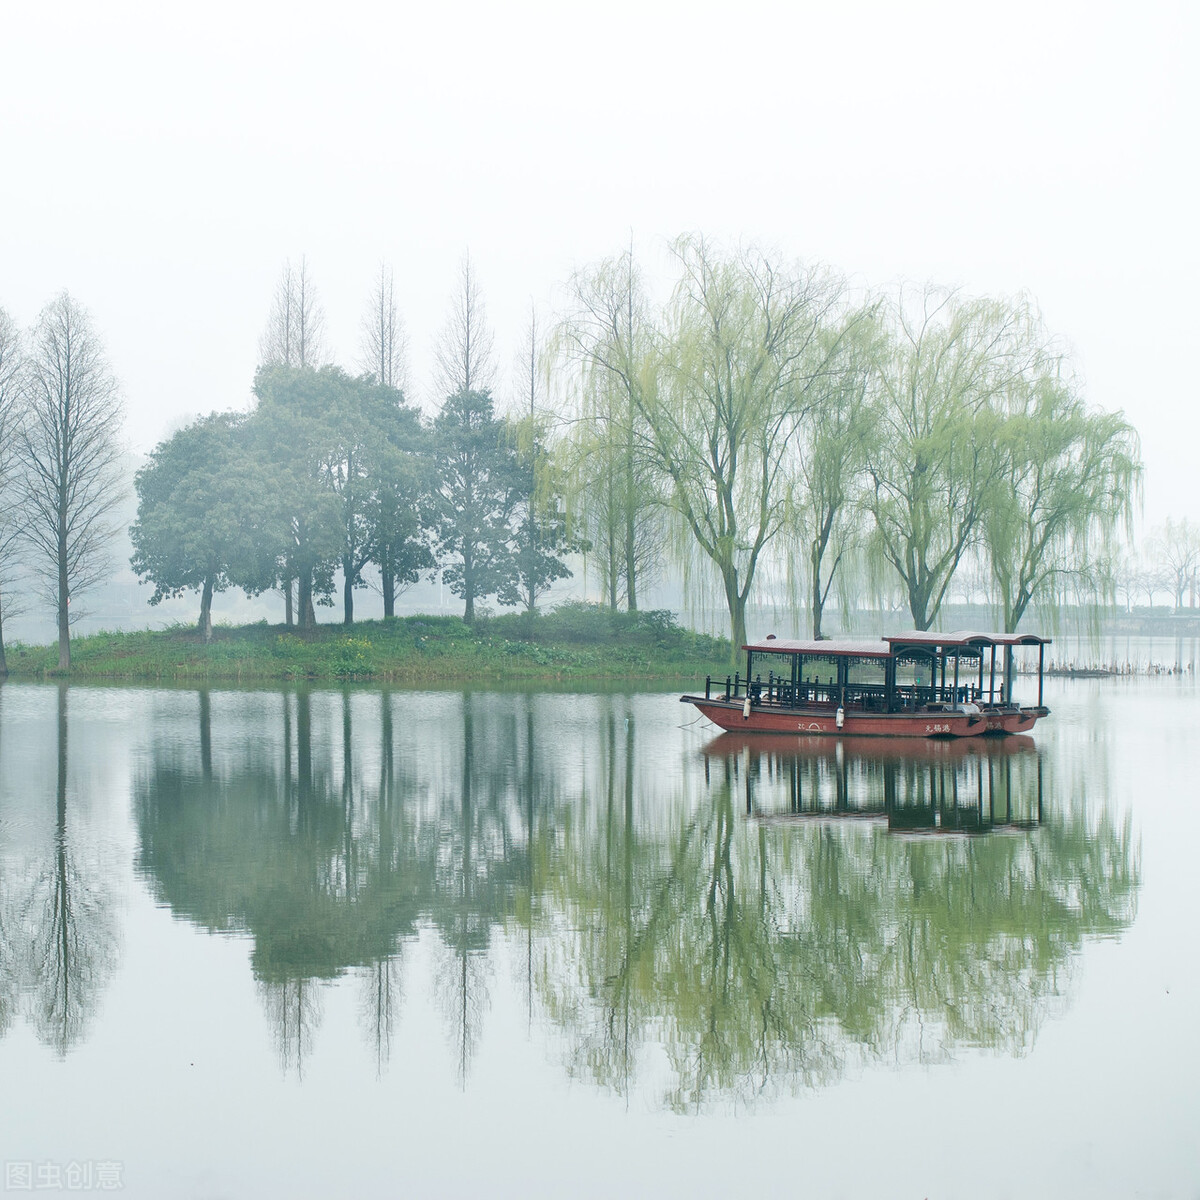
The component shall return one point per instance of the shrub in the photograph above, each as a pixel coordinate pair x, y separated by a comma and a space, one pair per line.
353, 658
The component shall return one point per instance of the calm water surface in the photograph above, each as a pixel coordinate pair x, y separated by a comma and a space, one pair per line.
293, 944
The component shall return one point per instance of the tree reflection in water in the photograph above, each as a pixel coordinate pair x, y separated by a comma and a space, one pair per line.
61, 936
780, 914
10, 916
773, 954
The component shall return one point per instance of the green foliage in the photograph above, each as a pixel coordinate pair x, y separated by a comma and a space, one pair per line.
478, 479
542, 532
746, 356
714, 387
934, 468
614, 484
354, 659
399, 509
296, 438
1067, 483
832, 448
762, 422
329, 472
205, 512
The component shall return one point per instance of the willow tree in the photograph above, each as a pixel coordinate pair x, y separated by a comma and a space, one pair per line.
746, 354
611, 338
832, 449
934, 465
1067, 482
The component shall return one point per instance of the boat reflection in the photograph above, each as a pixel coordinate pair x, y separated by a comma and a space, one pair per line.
912, 785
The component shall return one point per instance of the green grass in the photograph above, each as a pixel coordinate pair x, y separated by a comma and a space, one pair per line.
576, 642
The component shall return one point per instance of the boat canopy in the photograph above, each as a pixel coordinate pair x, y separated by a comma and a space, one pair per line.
960, 640
826, 647
928, 641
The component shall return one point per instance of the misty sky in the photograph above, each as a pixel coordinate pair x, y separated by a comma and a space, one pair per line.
162, 161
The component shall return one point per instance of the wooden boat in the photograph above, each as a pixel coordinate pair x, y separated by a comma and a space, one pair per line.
916, 684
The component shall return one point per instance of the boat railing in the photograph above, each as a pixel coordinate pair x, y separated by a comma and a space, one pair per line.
778, 692
772, 691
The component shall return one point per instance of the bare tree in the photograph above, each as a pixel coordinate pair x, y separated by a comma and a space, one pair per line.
530, 376
70, 457
10, 524
295, 332
1176, 545
384, 352
464, 348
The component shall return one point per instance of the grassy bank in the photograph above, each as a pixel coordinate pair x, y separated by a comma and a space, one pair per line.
576, 642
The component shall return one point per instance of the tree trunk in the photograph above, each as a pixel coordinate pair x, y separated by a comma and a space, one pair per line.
347, 593
468, 589
612, 574
3, 660
630, 507
918, 603
64, 600
304, 597
288, 619
818, 604
737, 616
205, 622
389, 586
631, 599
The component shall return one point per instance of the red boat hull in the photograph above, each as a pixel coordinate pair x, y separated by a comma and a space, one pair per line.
822, 719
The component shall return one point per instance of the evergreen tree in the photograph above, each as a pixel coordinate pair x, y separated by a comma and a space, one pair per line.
206, 518
478, 481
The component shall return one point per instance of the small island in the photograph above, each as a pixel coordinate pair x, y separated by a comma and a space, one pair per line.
575, 643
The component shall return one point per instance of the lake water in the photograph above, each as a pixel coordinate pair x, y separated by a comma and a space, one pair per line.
364, 943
